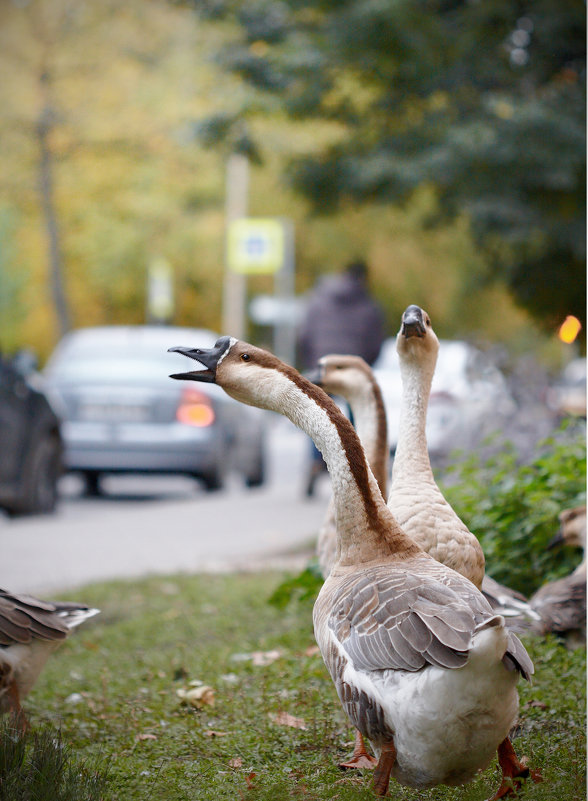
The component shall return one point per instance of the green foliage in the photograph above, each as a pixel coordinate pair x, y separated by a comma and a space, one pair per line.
485, 101
513, 509
303, 587
155, 635
39, 766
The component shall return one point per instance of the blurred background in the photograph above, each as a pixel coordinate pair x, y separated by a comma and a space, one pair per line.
442, 142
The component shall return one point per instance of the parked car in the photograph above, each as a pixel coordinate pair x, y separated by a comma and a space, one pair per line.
31, 447
123, 414
469, 400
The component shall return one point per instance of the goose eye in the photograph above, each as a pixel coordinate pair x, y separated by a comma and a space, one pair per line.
428, 322
245, 357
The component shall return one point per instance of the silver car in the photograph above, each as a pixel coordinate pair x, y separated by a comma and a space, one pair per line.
122, 413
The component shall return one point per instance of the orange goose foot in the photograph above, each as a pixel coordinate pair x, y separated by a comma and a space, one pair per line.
513, 771
360, 757
384, 768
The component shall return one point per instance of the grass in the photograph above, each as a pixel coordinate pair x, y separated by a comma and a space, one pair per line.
111, 691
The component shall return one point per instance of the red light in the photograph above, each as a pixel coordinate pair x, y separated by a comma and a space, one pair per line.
195, 409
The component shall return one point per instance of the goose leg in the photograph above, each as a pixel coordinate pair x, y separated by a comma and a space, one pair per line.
360, 757
384, 768
513, 771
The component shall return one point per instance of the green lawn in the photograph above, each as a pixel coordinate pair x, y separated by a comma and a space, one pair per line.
112, 690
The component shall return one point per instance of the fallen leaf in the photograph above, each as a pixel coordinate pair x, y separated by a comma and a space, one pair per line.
263, 658
312, 650
212, 733
285, 719
538, 704
145, 737
250, 779
236, 763
259, 658
198, 697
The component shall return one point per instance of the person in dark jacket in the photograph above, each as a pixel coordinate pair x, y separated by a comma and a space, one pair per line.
340, 317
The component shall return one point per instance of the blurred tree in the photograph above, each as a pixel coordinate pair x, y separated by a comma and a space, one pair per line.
98, 166
485, 101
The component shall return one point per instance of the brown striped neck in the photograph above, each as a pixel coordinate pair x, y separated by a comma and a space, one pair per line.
366, 529
372, 429
353, 379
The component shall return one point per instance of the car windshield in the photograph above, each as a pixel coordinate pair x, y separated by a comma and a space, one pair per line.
131, 358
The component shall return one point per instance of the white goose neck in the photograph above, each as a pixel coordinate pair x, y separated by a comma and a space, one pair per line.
411, 450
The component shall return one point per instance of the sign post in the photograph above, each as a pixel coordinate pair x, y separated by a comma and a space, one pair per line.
265, 245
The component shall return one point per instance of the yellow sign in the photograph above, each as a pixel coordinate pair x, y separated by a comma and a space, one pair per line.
255, 245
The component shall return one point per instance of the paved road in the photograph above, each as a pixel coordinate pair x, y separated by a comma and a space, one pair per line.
164, 525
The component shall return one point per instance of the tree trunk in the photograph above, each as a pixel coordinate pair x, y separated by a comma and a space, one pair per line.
47, 193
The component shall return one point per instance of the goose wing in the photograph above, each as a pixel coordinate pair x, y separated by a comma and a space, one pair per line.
24, 618
401, 619
561, 604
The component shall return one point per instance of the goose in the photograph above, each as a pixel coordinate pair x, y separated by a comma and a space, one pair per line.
30, 630
422, 666
435, 522
561, 604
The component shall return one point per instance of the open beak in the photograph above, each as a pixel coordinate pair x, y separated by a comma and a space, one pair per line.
413, 324
207, 357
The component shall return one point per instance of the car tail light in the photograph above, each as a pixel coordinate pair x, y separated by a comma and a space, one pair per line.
195, 409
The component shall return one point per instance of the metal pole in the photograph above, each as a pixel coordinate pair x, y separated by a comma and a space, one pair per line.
234, 289
285, 326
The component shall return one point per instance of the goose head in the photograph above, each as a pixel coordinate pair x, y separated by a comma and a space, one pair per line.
572, 530
341, 375
247, 373
416, 341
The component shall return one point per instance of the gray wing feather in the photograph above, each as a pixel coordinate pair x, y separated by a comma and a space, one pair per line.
389, 618
23, 618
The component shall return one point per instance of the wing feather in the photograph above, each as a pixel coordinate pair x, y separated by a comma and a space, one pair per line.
394, 618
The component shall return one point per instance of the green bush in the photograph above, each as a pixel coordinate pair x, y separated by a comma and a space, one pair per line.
513, 508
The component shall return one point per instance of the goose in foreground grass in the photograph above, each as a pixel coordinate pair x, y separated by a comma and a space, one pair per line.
30, 630
422, 666
431, 521
415, 499
561, 604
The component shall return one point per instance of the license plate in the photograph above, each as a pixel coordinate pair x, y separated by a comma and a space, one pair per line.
113, 413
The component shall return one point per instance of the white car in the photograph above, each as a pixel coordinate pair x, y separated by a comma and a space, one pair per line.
469, 400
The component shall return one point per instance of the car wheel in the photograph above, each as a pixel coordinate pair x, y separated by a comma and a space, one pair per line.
213, 481
92, 481
256, 475
41, 475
